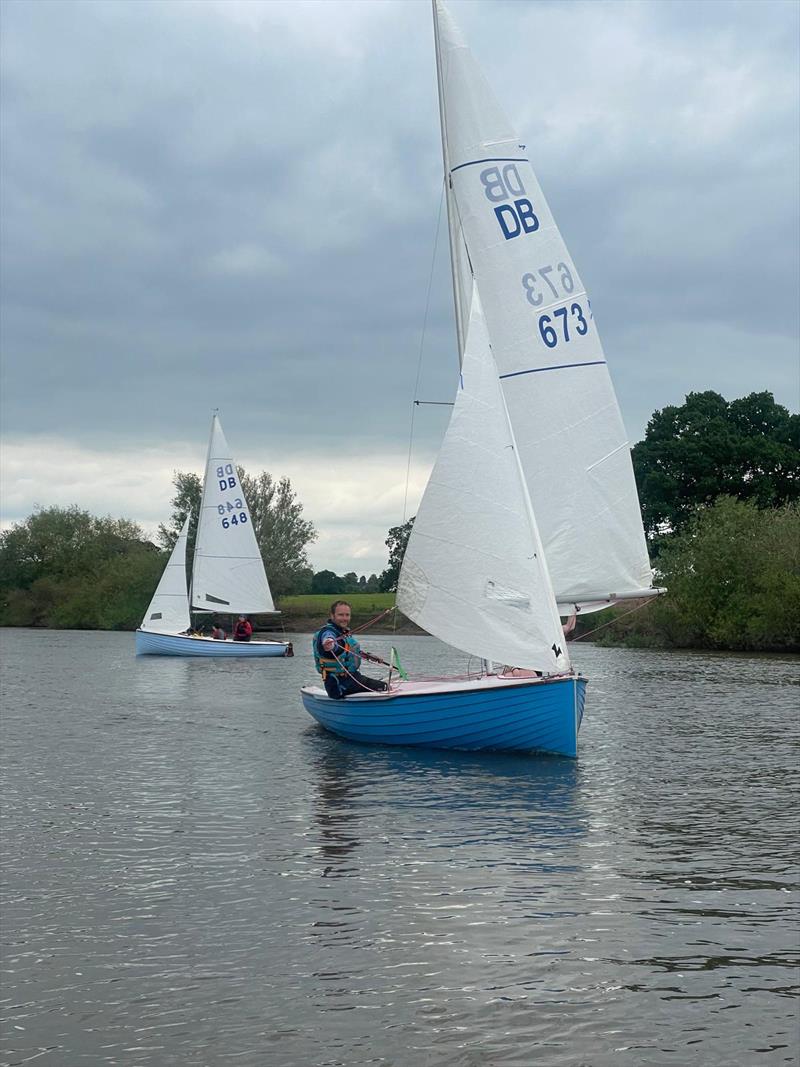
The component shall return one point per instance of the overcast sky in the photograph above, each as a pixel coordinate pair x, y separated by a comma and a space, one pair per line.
234, 204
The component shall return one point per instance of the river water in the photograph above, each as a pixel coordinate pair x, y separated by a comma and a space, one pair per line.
195, 874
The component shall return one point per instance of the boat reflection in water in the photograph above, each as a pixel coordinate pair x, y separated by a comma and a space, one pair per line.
521, 809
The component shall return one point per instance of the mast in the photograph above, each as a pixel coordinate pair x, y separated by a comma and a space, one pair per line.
200, 513
453, 225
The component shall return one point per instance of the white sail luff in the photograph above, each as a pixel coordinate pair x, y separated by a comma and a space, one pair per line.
169, 609
228, 572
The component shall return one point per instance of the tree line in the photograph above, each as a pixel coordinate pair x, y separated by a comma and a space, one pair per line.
719, 487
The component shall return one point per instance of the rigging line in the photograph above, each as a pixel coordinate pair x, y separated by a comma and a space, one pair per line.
612, 621
369, 622
421, 349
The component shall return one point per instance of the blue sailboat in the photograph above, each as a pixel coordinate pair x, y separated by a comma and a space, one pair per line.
531, 509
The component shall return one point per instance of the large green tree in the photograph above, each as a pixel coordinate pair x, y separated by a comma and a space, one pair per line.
283, 535
188, 493
328, 583
57, 542
396, 542
733, 579
64, 567
710, 447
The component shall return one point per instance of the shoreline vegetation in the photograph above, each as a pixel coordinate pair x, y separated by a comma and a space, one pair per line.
719, 489
652, 624
732, 574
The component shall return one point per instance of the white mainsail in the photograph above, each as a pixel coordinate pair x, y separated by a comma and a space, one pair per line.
565, 417
169, 608
474, 573
228, 572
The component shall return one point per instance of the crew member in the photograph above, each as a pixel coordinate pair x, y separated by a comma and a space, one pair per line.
338, 655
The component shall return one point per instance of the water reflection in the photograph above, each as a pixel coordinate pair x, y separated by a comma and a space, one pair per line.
335, 811
161, 681
524, 804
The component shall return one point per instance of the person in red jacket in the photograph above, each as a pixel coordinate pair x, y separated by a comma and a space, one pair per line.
243, 630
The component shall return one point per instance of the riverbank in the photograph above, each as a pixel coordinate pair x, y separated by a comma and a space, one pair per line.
657, 625
302, 623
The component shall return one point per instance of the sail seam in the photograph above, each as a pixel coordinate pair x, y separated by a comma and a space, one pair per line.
247, 559
608, 455
492, 159
561, 366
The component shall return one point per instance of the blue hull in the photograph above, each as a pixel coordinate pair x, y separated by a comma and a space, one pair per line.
527, 716
153, 644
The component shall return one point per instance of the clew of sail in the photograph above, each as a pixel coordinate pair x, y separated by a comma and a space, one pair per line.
228, 571
169, 608
566, 421
474, 573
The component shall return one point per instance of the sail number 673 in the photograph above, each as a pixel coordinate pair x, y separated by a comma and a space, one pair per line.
552, 332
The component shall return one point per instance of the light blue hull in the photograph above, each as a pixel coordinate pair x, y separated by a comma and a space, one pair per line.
526, 716
153, 644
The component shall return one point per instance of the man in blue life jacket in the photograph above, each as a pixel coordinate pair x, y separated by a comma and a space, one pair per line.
338, 655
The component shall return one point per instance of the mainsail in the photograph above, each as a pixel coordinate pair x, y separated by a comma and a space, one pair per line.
169, 608
228, 573
474, 573
563, 410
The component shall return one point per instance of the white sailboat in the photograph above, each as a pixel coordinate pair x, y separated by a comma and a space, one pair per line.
228, 575
531, 509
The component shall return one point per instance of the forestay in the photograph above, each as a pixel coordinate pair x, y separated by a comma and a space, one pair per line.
228, 572
169, 608
565, 417
474, 573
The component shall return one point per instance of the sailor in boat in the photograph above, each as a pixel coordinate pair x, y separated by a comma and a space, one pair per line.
243, 630
338, 655
218, 633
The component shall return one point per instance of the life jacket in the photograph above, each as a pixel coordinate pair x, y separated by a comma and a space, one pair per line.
347, 649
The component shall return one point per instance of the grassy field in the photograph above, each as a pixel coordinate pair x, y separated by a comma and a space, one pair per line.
318, 603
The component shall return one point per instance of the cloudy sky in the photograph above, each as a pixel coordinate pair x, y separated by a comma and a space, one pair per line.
234, 204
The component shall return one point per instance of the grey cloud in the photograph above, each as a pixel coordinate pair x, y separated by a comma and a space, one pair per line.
200, 212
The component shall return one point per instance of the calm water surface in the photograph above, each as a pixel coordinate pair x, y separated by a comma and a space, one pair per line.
195, 874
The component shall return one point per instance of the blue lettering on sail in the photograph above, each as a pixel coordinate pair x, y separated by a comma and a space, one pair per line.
515, 219
529, 221
504, 213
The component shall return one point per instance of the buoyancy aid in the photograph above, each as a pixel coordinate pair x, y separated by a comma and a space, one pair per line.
347, 649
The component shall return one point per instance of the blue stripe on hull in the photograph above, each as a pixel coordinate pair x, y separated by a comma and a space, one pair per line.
152, 644
541, 717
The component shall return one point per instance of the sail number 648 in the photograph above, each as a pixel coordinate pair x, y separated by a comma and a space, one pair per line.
551, 333
233, 520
